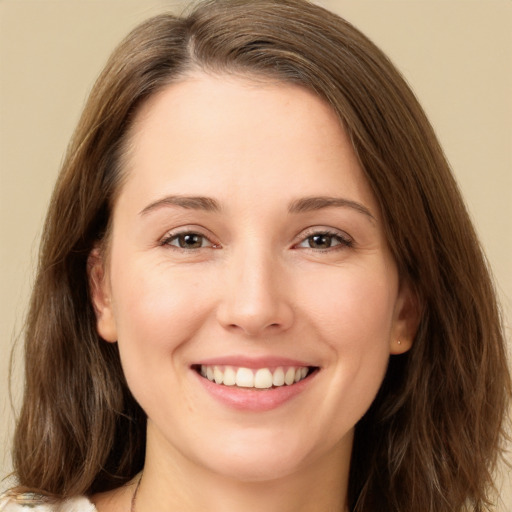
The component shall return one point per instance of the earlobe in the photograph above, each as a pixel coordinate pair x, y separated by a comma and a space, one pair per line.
406, 320
100, 295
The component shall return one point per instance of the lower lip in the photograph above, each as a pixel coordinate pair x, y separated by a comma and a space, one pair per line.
256, 400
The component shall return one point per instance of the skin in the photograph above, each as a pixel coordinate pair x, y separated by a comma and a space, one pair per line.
257, 286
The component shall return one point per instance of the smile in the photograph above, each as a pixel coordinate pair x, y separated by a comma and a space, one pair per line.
257, 378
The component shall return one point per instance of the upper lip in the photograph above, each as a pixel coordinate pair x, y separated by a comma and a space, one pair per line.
252, 362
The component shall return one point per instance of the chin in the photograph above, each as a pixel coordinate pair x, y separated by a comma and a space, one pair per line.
264, 458
246, 469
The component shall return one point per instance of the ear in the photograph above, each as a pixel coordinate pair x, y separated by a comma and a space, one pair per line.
99, 286
406, 320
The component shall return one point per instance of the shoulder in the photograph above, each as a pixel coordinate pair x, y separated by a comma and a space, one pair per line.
29, 502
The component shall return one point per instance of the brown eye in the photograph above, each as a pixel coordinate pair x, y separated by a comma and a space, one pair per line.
320, 241
190, 241
323, 241
187, 241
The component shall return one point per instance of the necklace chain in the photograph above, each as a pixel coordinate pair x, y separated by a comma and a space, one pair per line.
134, 497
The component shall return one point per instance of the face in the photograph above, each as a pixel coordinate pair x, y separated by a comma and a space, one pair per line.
248, 282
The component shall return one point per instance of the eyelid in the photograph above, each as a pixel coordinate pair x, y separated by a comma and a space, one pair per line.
345, 238
186, 230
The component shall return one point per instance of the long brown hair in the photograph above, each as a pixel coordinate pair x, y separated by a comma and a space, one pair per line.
431, 439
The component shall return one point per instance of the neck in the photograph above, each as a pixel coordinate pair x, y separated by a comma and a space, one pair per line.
175, 483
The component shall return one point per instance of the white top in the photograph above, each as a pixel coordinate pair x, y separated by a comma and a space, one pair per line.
34, 503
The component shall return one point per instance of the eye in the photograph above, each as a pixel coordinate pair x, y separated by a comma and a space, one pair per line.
325, 240
187, 240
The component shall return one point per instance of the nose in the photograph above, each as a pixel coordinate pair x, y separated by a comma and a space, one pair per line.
256, 297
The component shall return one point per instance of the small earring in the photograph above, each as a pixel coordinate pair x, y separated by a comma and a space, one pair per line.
398, 342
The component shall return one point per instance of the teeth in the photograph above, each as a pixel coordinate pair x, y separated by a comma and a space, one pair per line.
229, 376
218, 376
278, 377
244, 378
289, 376
262, 378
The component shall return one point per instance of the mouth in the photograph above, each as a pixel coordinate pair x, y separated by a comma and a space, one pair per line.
254, 378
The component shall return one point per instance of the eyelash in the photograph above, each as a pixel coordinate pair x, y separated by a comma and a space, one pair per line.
343, 240
166, 241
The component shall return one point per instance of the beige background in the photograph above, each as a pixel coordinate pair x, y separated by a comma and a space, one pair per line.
457, 56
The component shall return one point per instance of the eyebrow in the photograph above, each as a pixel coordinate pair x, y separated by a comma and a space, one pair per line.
305, 204
189, 202
308, 204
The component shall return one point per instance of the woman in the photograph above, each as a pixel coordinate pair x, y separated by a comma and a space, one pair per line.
258, 286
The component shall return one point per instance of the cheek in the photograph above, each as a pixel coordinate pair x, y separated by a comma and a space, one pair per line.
157, 311
352, 313
353, 308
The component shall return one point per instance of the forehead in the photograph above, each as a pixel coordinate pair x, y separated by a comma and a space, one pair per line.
238, 132
234, 101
